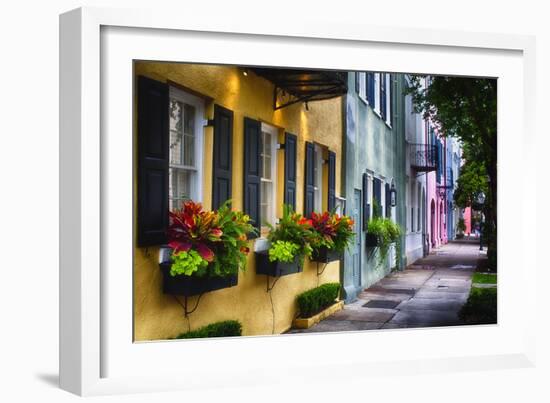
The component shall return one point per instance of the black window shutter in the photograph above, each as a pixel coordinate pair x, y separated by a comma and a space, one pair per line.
221, 170
388, 201
290, 170
370, 88
153, 159
309, 180
366, 206
383, 95
252, 171
357, 82
331, 180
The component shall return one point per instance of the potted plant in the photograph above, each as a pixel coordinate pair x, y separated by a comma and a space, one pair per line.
331, 235
289, 245
381, 233
206, 249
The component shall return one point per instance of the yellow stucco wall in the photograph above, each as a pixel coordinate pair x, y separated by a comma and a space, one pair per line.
159, 316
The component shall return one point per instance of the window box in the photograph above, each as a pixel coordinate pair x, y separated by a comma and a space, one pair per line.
371, 240
276, 268
193, 285
325, 255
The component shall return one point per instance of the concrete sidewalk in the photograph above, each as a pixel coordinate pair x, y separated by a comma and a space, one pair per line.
428, 293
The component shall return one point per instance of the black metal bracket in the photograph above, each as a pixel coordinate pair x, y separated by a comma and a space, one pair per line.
322, 271
185, 304
269, 288
209, 122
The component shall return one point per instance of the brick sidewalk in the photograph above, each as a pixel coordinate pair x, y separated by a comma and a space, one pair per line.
428, 293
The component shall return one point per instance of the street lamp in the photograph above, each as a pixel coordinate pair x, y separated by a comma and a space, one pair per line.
481, 202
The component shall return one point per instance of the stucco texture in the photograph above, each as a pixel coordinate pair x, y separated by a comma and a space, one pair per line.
159, 316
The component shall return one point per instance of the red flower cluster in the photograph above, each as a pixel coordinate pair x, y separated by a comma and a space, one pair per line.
191, 226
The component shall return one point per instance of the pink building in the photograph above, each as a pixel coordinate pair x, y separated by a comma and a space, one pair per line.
467, 220
436, 193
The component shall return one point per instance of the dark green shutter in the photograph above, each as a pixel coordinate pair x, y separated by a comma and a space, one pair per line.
221, 170
252, 171
366, 206
331, 180
290, 170
309, 180
153, 162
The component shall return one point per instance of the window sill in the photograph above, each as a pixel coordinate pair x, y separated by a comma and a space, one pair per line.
261, 244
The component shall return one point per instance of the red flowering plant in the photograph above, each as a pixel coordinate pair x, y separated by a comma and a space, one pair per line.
208, 242
331, 230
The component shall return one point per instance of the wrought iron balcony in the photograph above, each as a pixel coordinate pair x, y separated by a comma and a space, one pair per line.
423, 157
293, 85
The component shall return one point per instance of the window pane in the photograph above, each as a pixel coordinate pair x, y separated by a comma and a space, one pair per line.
267, 168
266, 202
176, 115
180, 186
189, 135
188, 150
267, 144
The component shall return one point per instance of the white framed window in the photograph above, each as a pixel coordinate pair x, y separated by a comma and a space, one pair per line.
186, 113
318, 178
362, 77
268, 200
388, 98
376, 105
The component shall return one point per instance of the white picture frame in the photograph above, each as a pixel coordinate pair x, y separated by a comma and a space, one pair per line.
97, 357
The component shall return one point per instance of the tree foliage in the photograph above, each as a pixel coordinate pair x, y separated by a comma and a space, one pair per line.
472, 181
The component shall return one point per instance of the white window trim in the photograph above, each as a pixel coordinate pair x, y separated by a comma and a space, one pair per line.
363, 87
388, 100
274, 137
376, 106
198, 103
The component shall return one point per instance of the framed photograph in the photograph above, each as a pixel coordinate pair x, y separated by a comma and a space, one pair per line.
256, 199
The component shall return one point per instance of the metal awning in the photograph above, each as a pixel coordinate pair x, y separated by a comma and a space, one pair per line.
299, 85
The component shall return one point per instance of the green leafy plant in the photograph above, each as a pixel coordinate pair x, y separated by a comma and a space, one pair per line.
208, 243
386, 233
188, 263
227, 328
283, 251
295, 229
315, 300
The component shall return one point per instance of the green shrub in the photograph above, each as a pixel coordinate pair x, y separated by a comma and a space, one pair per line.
481, 307
315, 300
226, 328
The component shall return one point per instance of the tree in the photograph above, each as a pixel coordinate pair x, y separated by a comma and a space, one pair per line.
465, 108
471, 181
